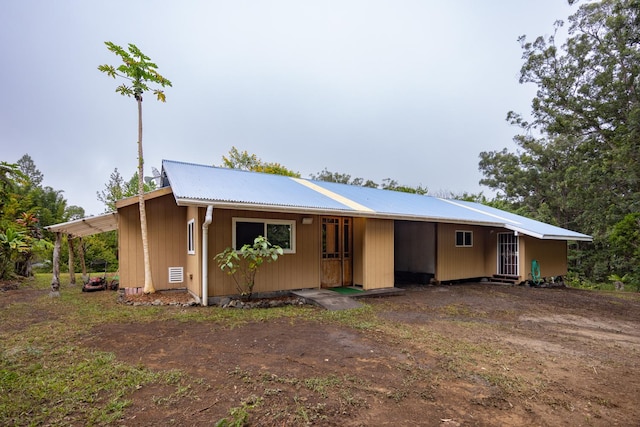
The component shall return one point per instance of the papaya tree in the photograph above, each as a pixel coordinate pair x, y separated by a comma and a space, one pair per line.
140, 73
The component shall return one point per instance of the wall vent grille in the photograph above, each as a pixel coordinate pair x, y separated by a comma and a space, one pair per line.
176, 274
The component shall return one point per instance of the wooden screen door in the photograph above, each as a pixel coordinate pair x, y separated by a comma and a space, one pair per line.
336, 252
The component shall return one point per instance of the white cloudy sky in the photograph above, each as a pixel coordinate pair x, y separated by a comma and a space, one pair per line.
404, 89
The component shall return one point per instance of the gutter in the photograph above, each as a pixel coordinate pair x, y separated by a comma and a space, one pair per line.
208, 218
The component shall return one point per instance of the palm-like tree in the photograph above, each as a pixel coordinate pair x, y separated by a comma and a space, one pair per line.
138, 69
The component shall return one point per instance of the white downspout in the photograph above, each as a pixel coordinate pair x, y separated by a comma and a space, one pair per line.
208, 218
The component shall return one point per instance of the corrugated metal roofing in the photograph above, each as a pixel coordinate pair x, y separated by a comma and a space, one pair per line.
204, 185
87, 226
192, 183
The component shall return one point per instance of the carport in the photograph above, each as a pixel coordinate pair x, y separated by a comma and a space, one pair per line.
77, 229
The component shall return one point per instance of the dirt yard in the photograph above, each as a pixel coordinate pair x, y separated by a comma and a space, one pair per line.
462, 355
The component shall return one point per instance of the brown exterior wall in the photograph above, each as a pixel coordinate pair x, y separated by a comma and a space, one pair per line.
373, 263
551, 256
193, 262
291, 271
167, 231
457, 263
491, 251
373, 250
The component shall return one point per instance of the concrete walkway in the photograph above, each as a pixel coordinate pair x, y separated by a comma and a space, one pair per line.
334, 301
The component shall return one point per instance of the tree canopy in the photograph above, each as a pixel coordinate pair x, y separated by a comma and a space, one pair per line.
578, 159
250, 162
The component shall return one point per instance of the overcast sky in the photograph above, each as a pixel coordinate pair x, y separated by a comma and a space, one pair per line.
408, 90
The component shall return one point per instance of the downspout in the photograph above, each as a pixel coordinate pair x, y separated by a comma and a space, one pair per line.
208, 218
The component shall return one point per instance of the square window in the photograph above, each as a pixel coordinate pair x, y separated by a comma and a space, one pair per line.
246, 232
464, 238
279, 234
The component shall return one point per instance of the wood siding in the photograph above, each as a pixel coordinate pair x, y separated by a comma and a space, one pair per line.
458, 263
167, 230
291, 271
376, 253
550, 254
373, 261
193, 262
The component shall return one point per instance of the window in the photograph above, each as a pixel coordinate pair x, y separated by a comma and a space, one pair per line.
464, 238
278, 232
191, 242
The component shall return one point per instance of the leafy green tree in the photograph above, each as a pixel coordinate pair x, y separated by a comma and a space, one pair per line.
243, 265
387, 183
117, 188
33, 238
391, 184
140, 72
625, 243
250, 162
12, 244
10, 175
113, 191
578, 158
28, 168
341, 178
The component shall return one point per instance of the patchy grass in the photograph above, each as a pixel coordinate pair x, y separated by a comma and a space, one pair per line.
46, 379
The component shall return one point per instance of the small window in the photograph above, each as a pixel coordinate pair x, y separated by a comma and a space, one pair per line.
277, 232
191, 242
464, 238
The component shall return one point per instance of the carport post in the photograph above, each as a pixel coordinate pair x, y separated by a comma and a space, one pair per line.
55, 280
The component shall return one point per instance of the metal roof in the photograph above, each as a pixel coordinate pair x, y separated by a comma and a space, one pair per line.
201, 185
87, 226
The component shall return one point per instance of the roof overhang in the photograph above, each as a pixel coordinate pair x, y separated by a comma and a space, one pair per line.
572, 237
87, 226
329, 212
499, 223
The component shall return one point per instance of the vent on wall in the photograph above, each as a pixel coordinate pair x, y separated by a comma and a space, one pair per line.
176, 274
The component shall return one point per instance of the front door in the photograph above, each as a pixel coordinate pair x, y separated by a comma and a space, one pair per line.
508, 254
336, 252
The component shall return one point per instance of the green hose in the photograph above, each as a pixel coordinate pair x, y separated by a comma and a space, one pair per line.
535, 272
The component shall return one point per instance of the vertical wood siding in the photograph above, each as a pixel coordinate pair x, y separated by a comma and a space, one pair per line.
193, 262
290, 271
167, 232
551, 255
373, 253
457, 263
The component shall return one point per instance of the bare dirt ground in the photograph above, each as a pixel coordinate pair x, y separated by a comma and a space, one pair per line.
463, 355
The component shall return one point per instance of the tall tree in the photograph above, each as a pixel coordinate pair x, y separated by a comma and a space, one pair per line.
578, 162
28, 167
140, 72
117, 188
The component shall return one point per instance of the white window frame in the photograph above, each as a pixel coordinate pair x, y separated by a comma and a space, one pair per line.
265, 221
465, 232
191, 236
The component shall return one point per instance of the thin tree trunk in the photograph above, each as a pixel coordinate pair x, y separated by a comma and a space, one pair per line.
148, 281
55, 280
85, 277
72, 271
